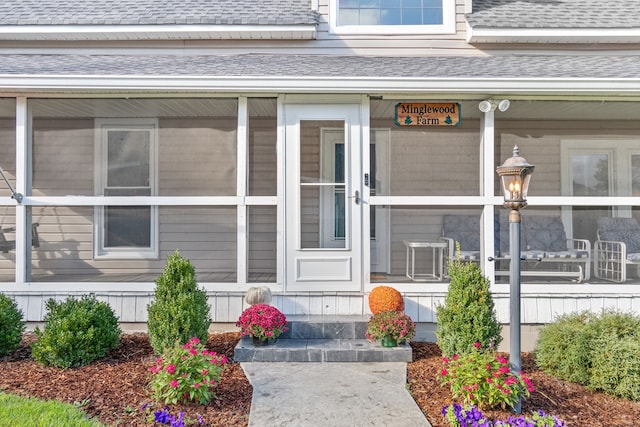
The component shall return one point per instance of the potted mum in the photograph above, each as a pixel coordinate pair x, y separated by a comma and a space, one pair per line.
262, 322
390, 327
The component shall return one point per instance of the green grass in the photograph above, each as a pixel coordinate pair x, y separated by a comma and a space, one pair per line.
28, 412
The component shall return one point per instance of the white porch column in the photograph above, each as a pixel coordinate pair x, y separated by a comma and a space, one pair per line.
23, 185
241, 191
487, 144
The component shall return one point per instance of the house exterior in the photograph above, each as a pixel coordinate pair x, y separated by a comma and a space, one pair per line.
311, 146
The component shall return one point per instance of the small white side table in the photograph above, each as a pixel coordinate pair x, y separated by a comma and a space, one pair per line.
437, 255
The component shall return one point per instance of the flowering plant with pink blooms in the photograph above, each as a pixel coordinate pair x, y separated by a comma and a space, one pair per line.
394, 324
262, 321
186, 373
484, 379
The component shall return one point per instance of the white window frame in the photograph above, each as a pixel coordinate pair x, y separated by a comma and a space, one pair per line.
448, 25
102, 126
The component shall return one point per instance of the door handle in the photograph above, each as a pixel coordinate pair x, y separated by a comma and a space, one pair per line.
356, 197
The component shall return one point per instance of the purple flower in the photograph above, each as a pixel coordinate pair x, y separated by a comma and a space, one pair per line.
162, 417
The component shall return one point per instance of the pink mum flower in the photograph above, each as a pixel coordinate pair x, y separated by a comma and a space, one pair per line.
171, 369
173, 383
477, 344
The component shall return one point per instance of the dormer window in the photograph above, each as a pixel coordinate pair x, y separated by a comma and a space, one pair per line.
392, 16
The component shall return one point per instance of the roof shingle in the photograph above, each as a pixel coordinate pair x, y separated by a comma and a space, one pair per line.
154, 12
555, 14
513, 66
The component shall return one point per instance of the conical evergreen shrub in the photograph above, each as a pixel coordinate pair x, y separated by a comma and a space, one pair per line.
468, 314
179, 310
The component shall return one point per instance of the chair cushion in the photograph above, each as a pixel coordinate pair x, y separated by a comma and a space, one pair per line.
464, 229
568, 255
469, 256
544, 233
626, 230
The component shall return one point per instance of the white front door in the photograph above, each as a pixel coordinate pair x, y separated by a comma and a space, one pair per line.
323, 197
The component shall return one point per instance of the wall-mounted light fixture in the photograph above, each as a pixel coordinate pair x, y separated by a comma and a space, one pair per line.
490, 105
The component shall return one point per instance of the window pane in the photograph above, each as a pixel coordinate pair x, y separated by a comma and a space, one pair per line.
432, 17
590, 174
349, 17
127, 226
390, 17
411, 3
369, 17
411, 17
128, 158
369, 4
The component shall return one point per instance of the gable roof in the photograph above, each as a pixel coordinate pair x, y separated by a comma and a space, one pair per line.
558, 21
145, 19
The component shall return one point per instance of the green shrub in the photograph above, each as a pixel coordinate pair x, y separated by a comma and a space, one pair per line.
11, 325
76, 332
615, 366
468, 314
179, 310
564, 346
601, 351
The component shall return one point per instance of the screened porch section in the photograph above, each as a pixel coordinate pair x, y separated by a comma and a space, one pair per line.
587, 167
178, 158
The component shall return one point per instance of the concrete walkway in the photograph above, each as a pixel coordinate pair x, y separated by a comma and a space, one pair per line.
331, 395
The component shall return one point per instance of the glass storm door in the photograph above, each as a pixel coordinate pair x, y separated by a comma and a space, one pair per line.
323, 197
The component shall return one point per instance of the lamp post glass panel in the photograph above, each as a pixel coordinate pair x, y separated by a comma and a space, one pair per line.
515, 174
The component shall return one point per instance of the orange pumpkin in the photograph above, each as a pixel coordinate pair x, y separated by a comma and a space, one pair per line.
385, 298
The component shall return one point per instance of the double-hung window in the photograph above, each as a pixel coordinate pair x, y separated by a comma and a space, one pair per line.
392, 16
126, 166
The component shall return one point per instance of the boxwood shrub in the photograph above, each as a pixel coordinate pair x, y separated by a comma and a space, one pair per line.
600, 351
11, 325
76, 332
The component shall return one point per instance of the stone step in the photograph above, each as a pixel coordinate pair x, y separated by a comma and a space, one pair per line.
322, 339
326, 327
320, 350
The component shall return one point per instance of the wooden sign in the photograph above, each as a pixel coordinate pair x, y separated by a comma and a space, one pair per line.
427, 114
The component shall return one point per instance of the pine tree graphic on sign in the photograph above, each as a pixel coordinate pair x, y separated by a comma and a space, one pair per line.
408, 120
448, 120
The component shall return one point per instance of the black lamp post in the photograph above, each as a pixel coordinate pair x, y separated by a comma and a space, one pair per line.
515, 174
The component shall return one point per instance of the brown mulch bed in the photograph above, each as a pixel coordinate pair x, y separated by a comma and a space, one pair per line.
114, 389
